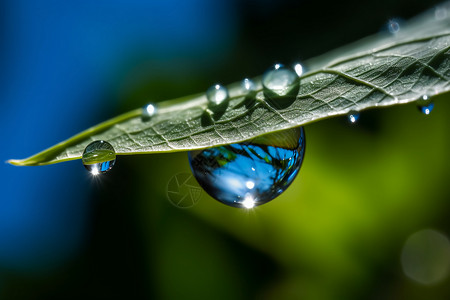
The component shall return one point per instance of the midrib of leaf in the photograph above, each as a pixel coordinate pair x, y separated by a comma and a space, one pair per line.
391, 70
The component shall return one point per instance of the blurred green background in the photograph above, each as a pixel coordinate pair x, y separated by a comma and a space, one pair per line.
337, 233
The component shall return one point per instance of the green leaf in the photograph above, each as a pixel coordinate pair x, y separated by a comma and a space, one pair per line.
377, 71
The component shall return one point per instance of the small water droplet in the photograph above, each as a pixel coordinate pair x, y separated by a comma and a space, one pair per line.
279, 80
148, 111
425, 105
248, 85
217, 94
299, 69
393, 26
353, 116
251, 173
99, 157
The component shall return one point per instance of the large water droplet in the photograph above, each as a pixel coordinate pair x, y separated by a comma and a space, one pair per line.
99, 157
148, 111
279, 80
425, 105
353, 116
217, 94
251, 173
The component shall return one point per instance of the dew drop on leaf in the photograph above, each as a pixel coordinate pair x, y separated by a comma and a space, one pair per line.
252, 173
148, 111
393, 26
299, 70
425, 105
353, 116
217, 94
279, 81
99, 157
248, 85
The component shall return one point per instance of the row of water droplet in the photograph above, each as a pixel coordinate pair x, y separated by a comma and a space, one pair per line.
244, 174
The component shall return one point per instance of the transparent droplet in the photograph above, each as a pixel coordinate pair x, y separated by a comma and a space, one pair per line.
279, 80
425, 105
425, 257
248, 85
251, 173
298, 68
148, 111
353, 116
217, 94
393, 26
99, 157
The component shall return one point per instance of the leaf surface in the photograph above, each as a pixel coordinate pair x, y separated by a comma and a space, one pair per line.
381, 70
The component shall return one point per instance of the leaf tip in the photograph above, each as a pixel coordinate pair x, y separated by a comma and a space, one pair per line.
15, 162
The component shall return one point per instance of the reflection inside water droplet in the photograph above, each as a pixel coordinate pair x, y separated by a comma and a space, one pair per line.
425, 105
251, 173
217, 94
99, 157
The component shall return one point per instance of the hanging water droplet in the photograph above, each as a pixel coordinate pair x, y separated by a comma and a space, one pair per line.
217, 94
99, 157
425, 105
353, 116
248, 85
148, 111
299, 69
393, 26
279, 80
250, 173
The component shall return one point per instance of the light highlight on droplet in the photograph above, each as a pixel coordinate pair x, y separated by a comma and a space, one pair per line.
248, 202
353, 117
148, 111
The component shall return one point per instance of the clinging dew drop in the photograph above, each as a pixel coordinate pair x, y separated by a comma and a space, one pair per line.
251, 173
393, 26
279, 80
248, 85
148, 111
217, 94
353, 116
425, 105
298, 68
99, 157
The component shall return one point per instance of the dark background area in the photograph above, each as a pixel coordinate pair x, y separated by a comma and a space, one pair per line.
337, 233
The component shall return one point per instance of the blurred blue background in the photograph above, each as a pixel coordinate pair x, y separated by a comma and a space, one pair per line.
64, 64
67, 65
